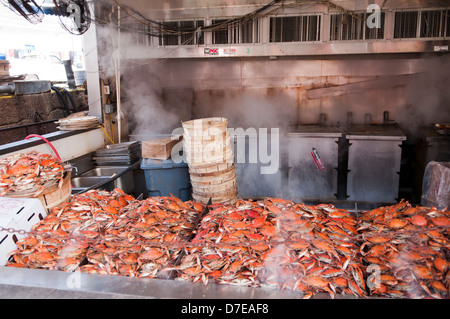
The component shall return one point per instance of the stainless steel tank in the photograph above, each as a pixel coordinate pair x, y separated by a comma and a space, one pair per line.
313, 162
374, 161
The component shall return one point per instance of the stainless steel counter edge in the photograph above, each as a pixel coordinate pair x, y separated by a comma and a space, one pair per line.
376, 137
138, 287
22, 144
314, 135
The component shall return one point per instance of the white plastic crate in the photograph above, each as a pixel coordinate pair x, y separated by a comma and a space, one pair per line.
17, 213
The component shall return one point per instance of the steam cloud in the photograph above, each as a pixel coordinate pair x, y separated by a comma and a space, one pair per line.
159, 94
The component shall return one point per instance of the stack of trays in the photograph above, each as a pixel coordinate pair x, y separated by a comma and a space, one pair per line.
118, 154
78, 121
210, 159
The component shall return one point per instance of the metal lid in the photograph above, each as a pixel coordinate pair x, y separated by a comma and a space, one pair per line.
149, 163
375, 132
315, 131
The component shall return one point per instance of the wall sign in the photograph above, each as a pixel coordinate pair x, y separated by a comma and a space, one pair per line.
220, 51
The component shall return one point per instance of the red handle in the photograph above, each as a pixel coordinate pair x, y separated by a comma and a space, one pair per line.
315, 161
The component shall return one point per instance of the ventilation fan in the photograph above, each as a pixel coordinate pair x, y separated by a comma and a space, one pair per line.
28, 9
74, 15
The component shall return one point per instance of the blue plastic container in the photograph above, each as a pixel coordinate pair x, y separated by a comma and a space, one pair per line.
2, 56
166, 177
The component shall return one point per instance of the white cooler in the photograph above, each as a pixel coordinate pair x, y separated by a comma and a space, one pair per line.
19, 214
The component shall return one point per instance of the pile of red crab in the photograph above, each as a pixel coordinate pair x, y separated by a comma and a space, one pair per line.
406, 251
277, 243
30, 174
145, 240
109, 233
61, 239
396, 251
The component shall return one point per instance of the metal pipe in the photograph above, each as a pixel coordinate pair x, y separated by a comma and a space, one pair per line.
61, 99
119, 102
69, 74
26, 125
74, 105
9, 88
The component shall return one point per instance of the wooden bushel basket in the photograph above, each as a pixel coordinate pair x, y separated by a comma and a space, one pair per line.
51, 196
205, 127
210, 158
217, 191
216, 177
55, 196
228, 199
199, 172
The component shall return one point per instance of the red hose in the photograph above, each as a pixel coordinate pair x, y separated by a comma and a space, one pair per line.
46, 141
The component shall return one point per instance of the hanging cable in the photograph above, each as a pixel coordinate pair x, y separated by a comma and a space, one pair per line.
75, 108
175, 30
61, 99
112, 127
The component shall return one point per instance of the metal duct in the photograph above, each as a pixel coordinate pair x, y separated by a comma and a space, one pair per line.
9, 88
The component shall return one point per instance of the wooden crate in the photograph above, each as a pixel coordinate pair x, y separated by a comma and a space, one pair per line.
159, 148
56, 196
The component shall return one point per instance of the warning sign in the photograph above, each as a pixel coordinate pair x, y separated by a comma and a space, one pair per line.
209, 51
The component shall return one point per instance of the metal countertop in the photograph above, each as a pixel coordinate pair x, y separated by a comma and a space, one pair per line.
37, 283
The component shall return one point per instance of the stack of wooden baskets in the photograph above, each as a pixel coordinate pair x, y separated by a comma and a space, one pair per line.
210, 159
